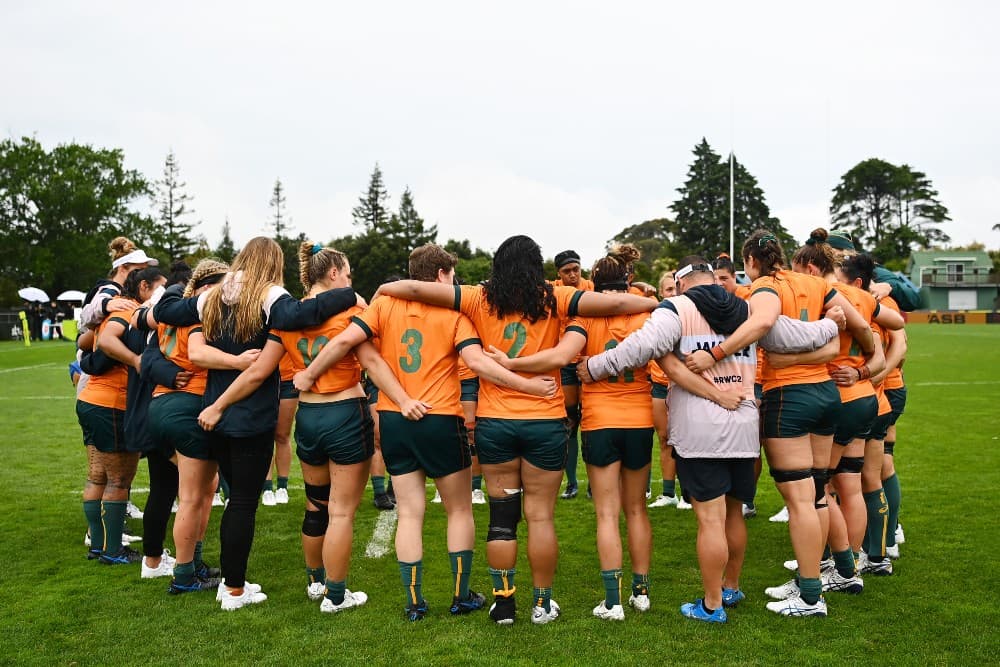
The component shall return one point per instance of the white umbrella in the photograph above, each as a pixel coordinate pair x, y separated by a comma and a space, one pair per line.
33, 294
71, 295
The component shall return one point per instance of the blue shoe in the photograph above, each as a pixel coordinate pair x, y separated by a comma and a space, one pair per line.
696, 610
203, 571
732, 597
125, 556
197, 584
416, 612
475, 602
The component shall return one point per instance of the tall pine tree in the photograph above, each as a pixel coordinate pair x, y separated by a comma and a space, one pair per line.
372, 212
280, 223
226, 250
173, 235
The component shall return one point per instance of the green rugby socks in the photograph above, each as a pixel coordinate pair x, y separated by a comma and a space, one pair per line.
461, 564
503, 581
283, 483
669, 488
317, 574
113, 518
412, 576
892, 498
612, 580
335, 591
811, 589
92, 510
878, 524
378, 484
640, 584
542, 598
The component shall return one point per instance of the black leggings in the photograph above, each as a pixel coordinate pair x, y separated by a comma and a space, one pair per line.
162, 492
244, 463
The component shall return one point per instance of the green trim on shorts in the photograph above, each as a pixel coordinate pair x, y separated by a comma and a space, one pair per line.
542, 442
103, 428
173, 421
633, 447
342, 432
436, 444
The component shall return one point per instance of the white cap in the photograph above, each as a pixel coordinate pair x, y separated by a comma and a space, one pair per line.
134, 257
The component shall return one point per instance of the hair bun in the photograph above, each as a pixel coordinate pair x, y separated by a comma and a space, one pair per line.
818, 235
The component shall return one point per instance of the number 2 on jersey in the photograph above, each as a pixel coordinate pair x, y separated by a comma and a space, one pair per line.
517, 332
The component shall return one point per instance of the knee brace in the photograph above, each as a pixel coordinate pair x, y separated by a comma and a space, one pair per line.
505, 514
850, 465
319, 494
314, 523
820, 477
781, 476
888, 446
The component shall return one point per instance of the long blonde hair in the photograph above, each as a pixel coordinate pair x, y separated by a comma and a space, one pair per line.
257, 268
315, 262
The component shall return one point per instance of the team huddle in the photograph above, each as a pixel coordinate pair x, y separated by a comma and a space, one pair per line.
496, 379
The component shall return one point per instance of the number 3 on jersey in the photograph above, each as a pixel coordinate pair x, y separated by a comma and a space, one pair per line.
517, 332
412, 339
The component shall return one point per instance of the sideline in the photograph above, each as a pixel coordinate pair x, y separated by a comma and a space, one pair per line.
951, 384
36, 398
28, 368
378, 546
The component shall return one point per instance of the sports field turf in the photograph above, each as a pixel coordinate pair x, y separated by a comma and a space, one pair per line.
58, 608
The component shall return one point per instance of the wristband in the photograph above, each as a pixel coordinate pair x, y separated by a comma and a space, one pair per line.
858, 371
864, 372
721, 353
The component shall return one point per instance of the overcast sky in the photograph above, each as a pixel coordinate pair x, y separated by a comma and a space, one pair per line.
563, 121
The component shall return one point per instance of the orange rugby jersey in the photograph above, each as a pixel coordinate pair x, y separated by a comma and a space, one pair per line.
518, 337
421, 344
109, 390
616, 401
850, 354
301, 347
802, 297
894, 380
286, 367
174, 347
743, 292
656, 373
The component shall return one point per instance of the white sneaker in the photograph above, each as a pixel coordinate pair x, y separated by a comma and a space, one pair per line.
892, 552
615, 613
478, 497
540, 617
355, 599
268, 499
639, 602
882, 568
132, 511
824, 565
316, 590
129, 539
834, 581
789, 589
437, 497
175, 507
649, 494
164, 569
683, 504
232, 602
281, 496
218, 500
247, 586
780, 517
900, 538
749, 512
796, 606
664, 501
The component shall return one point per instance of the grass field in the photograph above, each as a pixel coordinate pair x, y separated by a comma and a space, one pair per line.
58, 608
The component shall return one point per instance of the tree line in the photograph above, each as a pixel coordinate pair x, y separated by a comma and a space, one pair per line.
60, 207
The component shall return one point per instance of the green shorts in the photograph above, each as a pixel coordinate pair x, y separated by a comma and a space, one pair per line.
104, 428
371, 391
660, 391
470, 389
287, 390
542, 442
800, 409
897, 399
880, 427
855, 420
568, 376
632, 446
436, 444
341, 431
173, 421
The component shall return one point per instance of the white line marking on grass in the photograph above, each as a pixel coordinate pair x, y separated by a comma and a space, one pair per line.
36, 398
378, 546
957, 384
27, 368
